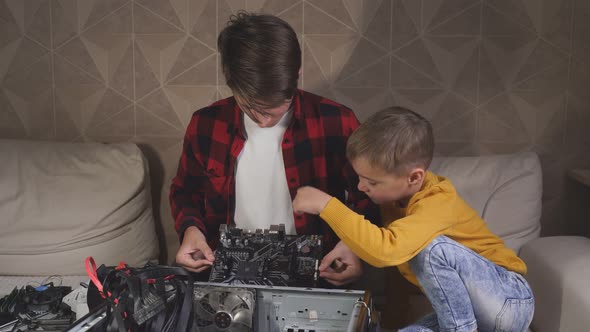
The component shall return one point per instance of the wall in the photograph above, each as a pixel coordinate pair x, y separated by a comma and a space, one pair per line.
493, 76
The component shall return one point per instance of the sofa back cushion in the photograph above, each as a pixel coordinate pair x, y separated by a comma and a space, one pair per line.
61, 202
505, 190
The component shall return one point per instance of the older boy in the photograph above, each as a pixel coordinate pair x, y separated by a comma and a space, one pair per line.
439, 243
245, 156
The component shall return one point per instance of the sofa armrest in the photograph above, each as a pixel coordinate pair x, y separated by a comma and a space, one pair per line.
559, 274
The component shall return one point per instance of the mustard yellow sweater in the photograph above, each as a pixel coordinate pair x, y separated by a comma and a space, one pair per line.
435, 210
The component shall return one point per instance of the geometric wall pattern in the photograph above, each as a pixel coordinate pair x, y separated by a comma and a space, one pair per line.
493, 76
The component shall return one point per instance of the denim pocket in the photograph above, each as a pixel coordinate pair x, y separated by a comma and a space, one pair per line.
516, 315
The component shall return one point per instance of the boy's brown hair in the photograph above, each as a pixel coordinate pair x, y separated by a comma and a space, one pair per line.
260, 58
394, 139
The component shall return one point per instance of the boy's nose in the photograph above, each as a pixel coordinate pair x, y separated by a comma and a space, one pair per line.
362, 187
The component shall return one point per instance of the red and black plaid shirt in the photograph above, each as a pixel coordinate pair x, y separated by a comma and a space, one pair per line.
203, 192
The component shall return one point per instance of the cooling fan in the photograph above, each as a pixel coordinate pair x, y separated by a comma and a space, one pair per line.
223, 309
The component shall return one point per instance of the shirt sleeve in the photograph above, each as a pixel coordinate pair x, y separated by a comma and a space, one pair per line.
397, 243
187, 197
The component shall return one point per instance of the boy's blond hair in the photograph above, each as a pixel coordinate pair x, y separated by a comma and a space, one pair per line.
394, 139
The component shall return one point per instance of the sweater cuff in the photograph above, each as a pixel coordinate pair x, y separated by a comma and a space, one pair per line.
336, 213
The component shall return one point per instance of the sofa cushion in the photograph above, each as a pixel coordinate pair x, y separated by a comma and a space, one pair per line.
505, 190
61, 202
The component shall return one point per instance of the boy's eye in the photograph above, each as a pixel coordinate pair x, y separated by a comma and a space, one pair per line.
371, 183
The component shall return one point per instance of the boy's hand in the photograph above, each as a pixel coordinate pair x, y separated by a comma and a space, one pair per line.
310, 200
341, 266
194, 253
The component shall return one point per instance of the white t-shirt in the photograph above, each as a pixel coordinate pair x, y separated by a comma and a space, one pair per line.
262, 193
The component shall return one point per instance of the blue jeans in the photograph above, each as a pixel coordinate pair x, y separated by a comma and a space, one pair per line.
468, 292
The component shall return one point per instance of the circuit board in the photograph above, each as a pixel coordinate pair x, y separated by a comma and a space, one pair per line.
266, 257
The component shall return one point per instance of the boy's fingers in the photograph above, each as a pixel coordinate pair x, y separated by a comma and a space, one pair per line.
207, 252
209, 256
327, 261
329, 275
338, 266
203, 268
333, 278
197, 270
324, 265
195, 265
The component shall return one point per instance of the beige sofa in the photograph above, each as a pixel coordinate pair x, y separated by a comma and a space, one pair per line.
506, 190
62, 202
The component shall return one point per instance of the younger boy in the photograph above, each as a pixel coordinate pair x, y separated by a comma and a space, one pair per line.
438, 242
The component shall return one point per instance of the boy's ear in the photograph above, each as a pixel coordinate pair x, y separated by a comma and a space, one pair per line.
416, 176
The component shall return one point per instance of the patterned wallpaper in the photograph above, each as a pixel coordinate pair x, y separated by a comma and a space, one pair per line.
493, 76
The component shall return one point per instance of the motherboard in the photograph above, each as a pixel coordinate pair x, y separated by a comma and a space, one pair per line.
266, 257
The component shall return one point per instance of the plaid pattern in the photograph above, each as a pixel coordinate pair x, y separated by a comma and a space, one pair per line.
203, 192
